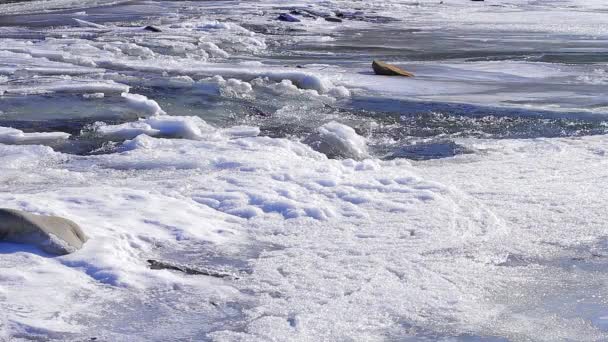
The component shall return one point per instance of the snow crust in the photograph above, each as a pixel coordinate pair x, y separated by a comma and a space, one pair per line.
326, 241
331, 258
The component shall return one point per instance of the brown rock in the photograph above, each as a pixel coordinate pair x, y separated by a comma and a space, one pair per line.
385, 69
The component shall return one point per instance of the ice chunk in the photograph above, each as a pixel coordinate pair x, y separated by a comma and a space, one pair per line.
338, 141
213, 50
242, 131
136, 50
216, 25
10, 135
231, 87
180, 82
339, 92
94, 95
142, 104
71, 87
187, 127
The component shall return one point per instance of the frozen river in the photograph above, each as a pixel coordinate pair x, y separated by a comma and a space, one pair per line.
464, 204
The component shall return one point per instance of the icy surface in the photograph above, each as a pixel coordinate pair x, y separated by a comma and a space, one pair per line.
172, 126
440, 249
337, 140
14, 136
268, 150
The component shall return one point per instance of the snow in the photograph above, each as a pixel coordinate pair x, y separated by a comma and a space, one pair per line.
10, 135
54, 5
324, 214
162, 125
69, 86
142, 104
338, 140
327, 241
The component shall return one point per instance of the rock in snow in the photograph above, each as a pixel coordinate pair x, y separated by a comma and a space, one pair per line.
152, 29
54, 235
385, 69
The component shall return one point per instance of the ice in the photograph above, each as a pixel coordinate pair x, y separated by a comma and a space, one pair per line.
94, 95
338, 140
302, 79
53, 5
15, 136
277, 182
213, 50
451, 82
242, 131
109, 260
131, 49
288, 88
285, 187
218, 85
346, 267
181, 82
142, 104
126, 130
15, 158
68, 85
84, 23
162, 125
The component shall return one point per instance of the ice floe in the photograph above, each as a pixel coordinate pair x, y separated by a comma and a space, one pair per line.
162, 125
337, 140
15, 136
142, 104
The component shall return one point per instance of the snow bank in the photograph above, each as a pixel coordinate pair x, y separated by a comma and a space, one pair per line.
339, 229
